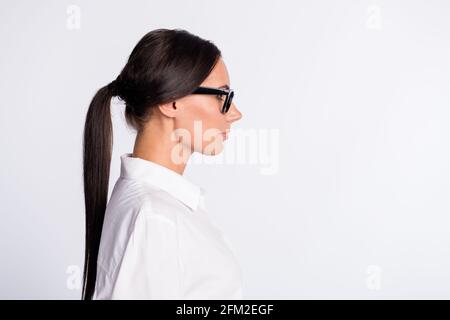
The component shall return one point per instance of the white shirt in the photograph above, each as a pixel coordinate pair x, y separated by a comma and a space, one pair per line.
158, 241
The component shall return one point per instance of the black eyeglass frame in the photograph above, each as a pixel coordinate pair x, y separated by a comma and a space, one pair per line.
229, 93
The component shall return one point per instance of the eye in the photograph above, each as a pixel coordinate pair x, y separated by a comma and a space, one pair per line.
219, 97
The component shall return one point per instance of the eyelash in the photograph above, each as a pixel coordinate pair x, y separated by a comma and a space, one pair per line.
219, 97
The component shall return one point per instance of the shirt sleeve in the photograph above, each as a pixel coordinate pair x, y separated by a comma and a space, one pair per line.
150, 268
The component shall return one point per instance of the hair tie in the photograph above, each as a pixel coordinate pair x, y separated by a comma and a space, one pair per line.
113, 88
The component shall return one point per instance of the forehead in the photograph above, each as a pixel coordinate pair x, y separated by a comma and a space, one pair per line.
218, 76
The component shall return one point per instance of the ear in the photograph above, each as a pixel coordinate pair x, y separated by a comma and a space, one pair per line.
169, 109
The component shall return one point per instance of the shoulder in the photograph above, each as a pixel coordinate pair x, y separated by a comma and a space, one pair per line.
130, 195
154, 229
158, 204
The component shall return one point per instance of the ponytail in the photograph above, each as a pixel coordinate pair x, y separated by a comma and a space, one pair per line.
97, 149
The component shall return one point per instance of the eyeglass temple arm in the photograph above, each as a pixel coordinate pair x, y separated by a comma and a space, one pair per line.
205, 90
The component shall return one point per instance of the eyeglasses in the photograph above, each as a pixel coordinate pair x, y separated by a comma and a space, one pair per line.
229, 93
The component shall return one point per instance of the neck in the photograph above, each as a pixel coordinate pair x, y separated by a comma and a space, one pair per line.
155, 143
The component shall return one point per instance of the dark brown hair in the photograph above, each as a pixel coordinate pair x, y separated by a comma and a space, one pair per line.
165, 65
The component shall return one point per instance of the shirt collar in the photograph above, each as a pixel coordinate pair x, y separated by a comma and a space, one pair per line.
164, 178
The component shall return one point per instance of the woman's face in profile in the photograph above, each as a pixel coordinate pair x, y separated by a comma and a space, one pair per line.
199, 123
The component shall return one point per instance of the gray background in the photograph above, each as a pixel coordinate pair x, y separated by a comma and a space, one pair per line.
359, 92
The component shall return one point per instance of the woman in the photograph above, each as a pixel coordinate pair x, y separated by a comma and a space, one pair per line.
154, 238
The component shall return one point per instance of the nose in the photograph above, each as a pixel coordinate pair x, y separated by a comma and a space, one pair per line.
233, 114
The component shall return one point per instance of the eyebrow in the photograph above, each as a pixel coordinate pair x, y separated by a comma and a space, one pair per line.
225, 86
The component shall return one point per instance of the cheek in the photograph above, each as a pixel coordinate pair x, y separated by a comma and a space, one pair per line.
202, 125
